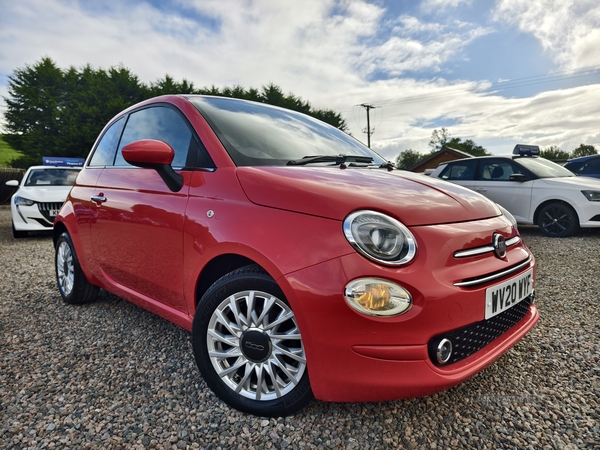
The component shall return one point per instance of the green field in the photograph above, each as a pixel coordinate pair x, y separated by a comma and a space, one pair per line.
7, 153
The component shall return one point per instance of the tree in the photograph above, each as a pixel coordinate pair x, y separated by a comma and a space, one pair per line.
408, 158
273, 95
33, 110
554, 153
51, 111
439, 139
467, 146
58, 112
442, 137
584, 150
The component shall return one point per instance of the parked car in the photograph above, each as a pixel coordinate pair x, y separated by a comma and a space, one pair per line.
533, 189
587, 166
300, 261
39, 196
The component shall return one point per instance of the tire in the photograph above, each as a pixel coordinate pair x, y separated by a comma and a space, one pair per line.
18, 234
72, 284
239, 349
558, 220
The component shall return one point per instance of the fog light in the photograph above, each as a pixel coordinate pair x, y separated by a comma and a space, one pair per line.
444, 351
376, 297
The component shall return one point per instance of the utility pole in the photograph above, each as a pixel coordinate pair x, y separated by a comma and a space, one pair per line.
369, 132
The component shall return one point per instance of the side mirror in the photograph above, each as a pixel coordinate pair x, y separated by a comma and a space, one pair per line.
157, 155
518, 177
12, 183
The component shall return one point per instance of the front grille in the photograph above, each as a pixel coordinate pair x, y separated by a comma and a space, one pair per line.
468, 340
48, 210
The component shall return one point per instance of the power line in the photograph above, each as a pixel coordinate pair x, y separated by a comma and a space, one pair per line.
495, 87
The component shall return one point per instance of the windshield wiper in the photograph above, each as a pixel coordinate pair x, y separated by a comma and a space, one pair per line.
337, 159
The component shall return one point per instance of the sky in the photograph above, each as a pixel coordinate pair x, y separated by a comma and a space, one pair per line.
499, 72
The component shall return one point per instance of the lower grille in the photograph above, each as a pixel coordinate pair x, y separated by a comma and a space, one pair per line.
49, 210
472, 338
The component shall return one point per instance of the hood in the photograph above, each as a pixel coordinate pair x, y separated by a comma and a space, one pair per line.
49, 194
333, 193
577, 183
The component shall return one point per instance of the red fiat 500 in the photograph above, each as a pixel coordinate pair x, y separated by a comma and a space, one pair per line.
302, 264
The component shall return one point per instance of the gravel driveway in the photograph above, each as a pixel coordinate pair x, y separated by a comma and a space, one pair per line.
111, 375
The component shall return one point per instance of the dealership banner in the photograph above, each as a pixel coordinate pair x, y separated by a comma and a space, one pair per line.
64, 162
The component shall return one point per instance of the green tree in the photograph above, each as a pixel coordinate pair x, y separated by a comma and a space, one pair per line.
408, 158
554, 153
439, 139
467, 146
273, 95
58, 112
33, 110
584, 150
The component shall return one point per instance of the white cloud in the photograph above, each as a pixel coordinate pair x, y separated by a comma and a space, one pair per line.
327, 52
442, 5
567, 29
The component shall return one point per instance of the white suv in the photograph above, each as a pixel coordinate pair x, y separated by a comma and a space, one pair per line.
533, 189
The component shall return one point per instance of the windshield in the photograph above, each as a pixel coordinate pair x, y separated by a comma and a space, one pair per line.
257, 135
544, 168
51, 177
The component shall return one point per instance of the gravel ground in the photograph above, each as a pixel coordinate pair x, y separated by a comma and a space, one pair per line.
111, 375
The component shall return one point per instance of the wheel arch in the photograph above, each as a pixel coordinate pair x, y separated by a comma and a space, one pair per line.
216, 268
536, 214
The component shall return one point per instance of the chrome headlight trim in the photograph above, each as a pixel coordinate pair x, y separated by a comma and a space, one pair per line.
380, 238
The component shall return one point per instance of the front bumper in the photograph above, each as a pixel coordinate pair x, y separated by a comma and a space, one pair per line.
37, 217
352, 357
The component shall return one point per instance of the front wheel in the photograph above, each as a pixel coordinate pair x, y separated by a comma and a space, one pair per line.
558, 220
248, 346
18, 234
72, 284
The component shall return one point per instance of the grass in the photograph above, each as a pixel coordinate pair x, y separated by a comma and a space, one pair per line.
7, 153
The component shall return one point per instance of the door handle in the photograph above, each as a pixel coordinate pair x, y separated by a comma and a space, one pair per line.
480, 189
98, 198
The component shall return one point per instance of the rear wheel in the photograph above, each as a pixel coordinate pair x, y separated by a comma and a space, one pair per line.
248, 346
72, 284
558, 220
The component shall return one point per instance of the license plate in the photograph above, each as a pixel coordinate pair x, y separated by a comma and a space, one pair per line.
505, 295
53, 212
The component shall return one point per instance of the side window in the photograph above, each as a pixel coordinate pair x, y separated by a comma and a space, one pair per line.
497, 170
163, 124
592, 167
463, 170
104, 154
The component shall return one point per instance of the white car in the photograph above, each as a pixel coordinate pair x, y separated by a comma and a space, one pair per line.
41, 193
533, 189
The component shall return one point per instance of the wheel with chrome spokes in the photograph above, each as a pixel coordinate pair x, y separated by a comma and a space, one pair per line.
73, 286
248, 345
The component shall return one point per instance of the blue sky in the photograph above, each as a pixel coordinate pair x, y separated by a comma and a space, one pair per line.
499, 72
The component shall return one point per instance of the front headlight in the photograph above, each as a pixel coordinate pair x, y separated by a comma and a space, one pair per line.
20, 201
376, 297
592, 196
380, 237
508, 215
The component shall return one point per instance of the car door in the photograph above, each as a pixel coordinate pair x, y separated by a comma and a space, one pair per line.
460, 172
137, 231
493, 181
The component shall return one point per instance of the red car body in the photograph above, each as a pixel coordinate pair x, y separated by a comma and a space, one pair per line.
162, 250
